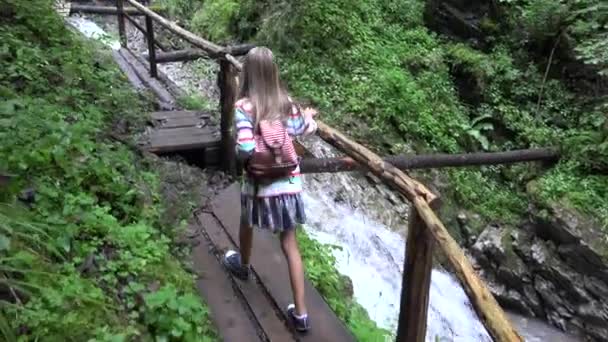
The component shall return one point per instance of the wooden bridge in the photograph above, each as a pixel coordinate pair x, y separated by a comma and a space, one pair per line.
253, 311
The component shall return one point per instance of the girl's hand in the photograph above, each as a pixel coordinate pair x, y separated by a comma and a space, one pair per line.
310, 112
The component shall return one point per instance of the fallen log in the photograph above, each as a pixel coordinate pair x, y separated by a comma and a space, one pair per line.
488, 310
409, 162
93, 9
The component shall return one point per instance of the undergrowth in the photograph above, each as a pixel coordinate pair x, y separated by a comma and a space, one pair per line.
85, 258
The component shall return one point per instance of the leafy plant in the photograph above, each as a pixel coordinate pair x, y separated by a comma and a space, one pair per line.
176, 317
78, 259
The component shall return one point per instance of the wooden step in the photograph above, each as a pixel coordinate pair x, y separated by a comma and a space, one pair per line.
183, 139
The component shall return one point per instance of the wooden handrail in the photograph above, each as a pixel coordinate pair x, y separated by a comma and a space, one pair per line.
76, 8
435, 160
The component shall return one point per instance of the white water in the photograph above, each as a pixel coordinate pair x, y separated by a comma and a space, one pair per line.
91, 30
366, 221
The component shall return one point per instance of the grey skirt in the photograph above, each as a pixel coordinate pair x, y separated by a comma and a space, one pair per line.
276, 213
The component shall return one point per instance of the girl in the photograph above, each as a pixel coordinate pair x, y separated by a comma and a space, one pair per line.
271, 204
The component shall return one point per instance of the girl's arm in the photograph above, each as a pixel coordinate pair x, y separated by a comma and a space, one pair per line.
245, 144
301, 123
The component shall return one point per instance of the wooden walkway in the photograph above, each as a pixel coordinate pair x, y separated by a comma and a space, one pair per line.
253, 310
180, 131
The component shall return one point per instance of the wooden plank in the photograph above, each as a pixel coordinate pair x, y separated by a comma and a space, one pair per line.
258, 303
227, 311
271, 268
180, 122
416, 282
491, 314
181, 139
174, 114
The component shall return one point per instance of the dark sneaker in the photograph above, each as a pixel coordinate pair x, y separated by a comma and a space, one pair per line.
301, 324
232, 261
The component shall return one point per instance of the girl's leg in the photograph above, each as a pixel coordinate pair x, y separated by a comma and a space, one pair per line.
238, 263
289, 244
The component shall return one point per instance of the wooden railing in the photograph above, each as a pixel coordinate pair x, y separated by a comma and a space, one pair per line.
425, 228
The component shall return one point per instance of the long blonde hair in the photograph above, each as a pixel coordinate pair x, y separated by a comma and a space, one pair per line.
262, 85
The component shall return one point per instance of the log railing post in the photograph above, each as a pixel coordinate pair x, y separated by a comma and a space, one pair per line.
416, 282
122, 33
151, 51
227, 83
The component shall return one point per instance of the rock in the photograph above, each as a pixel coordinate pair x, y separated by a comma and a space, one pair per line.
489, 245
339, 197
594, 313
570, 281
515, 301
566, 227
598, 332
556, 320
470, 226
533, 300
513, 272
548, 293
584, 259
522, 243
559, 225
596, 287
539, 253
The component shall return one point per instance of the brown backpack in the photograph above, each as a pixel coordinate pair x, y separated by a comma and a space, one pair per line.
274, 155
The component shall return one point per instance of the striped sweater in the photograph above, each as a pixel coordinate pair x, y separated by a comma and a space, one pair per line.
296, 125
